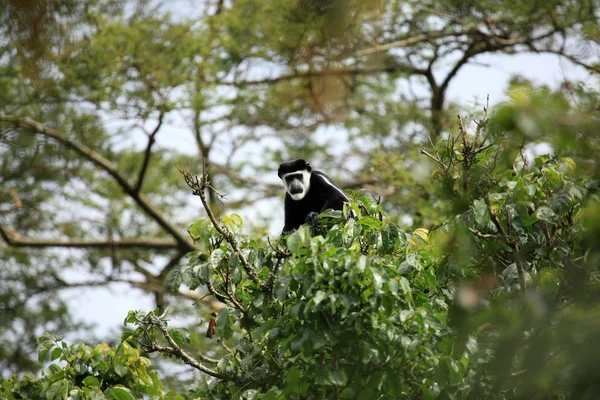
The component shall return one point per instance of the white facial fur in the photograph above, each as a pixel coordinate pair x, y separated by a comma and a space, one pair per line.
305, 184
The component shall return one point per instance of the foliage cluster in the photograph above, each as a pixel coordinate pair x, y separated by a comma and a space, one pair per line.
100, 98
499, 301
491, 293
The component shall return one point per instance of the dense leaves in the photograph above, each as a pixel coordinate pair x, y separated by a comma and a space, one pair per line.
362, 308
83, 372
475, 274
497, 301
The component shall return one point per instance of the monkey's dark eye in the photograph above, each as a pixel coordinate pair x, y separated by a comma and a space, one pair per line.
291, 177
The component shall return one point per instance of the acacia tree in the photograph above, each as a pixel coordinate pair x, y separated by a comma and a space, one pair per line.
234, 82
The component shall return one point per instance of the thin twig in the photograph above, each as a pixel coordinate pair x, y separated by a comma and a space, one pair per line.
152, 320
148, 153
511, 241
198, 186
482, 235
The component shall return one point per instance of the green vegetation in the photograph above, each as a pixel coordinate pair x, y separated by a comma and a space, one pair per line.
471, 270
500, 301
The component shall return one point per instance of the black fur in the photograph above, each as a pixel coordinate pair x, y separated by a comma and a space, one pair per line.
320, 197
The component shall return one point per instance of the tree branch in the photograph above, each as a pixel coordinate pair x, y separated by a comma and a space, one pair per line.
175, 350
198, 187
146, 286
510, 241
156, 214
13, 238
325, 73
589, 67
406, 42
151, 140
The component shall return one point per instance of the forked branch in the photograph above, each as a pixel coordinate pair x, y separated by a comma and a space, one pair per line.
199, 185
175, 350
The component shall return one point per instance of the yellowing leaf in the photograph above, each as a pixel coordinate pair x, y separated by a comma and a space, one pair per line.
423, 233
569, 161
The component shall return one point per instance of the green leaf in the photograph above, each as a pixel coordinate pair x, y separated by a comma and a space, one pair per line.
281, 287
44, 350
190, 275
350, 232
297, 239
370, 221
91, 381
544, 213
120, 368
201, 229
389, 238
553, 177
408, 264
59, 390
562, 203
131, 318
179, 337
46, 337
405, 286
215, 258
294, 376
331, 213
121, 393
480, 212
569, 161
174, 279
319, 297
272, 394
224, 324
393, 286
232, 222
472, 345
337, 377
56, 353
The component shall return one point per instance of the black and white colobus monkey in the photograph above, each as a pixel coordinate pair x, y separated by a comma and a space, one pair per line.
308, 193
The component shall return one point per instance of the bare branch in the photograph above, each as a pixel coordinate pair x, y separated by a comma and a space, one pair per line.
176, 351
13, 238
406, 42
151, 140
146, 286
589, 67
320, 74
482, 235
434, 158
156, 214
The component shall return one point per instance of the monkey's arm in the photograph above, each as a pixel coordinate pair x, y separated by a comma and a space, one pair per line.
294, 217
288, 227
335, 203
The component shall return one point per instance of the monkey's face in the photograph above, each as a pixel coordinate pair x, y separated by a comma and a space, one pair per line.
296, 177
297, 183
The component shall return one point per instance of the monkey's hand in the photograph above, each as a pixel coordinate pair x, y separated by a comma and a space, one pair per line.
350, 214
287, 232
313, 219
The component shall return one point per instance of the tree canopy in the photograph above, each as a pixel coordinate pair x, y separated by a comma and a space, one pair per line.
115, 114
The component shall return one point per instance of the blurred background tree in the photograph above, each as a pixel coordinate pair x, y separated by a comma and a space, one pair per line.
100, 99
